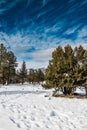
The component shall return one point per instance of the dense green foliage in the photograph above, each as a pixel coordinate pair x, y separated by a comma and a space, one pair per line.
7, 65
67, 69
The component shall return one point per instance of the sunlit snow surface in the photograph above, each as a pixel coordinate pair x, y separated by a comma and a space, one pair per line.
25, 107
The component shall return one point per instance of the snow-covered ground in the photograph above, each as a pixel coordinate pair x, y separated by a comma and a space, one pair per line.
25, 107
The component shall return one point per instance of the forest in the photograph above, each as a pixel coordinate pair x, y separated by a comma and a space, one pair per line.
67, 70
9, 73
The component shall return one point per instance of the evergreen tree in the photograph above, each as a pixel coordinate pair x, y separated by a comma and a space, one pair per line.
11, 64
53, 73
68, 79
23, 72
3, 62
40, 75
7, 64
67, 69
32, 76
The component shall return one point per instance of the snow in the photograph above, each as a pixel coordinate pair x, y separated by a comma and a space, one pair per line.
26, 107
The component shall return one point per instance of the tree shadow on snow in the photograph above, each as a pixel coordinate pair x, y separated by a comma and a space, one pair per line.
20, 92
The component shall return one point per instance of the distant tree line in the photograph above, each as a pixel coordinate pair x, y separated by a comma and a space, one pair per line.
67, 70
9, 73
30, 75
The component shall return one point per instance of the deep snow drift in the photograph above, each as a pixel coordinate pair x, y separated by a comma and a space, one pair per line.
25, 107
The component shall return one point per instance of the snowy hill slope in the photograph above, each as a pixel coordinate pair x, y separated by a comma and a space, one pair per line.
25, 107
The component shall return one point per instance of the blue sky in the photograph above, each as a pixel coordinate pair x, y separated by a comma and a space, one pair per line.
32, 29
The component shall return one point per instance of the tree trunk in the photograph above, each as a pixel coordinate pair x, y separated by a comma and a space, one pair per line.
3, 78
86, 90
67, 91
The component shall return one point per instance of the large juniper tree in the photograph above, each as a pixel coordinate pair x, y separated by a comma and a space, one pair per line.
67, 69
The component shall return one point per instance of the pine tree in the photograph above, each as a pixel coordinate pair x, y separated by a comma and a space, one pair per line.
31, 76
63, 72
3, 63
53, 73
68, 80
40, 76
23, 72
7, 64
11, 64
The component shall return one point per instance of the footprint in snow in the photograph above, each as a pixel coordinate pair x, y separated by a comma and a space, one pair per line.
18, 125
52, 114
3, 106
13, 120
24, 117
37, 125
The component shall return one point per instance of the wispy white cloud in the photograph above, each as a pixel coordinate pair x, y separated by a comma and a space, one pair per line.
77, 42
54, 29
82, 32
41, 14
75, 5
72, 29
80, 40
22, 49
